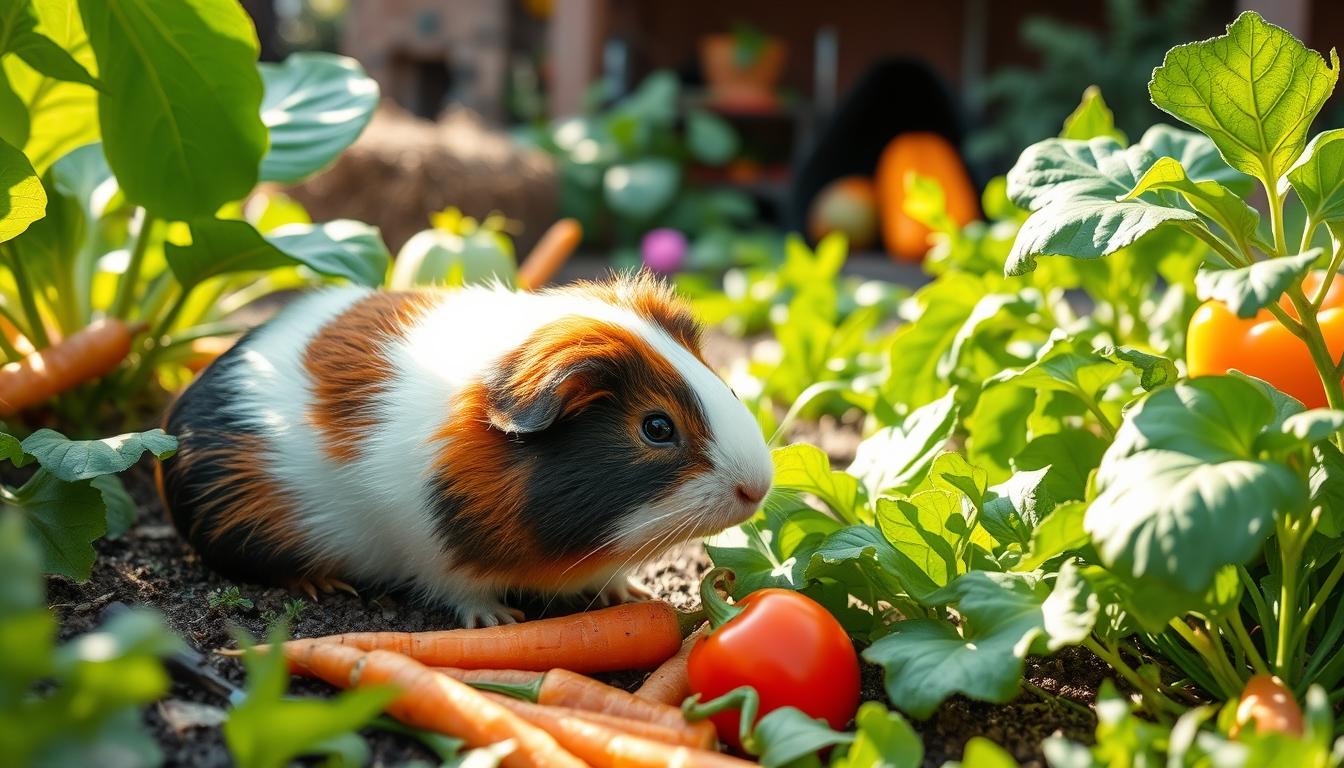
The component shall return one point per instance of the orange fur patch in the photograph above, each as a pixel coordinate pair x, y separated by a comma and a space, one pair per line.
349, 367
652, 299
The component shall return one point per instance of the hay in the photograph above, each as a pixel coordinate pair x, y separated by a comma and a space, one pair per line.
403, 168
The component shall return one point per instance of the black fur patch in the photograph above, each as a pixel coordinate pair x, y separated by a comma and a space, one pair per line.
201, 422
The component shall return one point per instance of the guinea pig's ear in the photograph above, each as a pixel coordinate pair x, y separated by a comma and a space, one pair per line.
553, 374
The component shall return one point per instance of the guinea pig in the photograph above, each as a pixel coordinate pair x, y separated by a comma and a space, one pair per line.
464, 444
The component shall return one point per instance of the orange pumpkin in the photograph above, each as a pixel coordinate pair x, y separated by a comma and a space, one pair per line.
924, 154
848, 205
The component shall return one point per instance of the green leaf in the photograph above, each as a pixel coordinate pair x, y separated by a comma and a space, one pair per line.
1017, 507
898, 457
340, 248
917, 347
60, 115
1326, 484
347, 249
121, 508
883, 739
1211, 199
1058, 532
1247, 290
1092, 119
788, 734
1073, 189
710, 138
64, 518
774, 548
1254, 91
1301, 430
926, 528
927, 660
1064, 364
12, 450
886, 570
180, 107
807, 469
1181, 491
642, 188
1318, 177
74, 460
45, 56
1197, 154
1070, 456
980, 752
1153, 370
23, 200
315, 105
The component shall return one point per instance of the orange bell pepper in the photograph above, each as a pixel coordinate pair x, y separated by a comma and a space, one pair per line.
1220, 341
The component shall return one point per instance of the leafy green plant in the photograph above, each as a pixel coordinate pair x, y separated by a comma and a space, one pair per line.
131, 210
288, 615
456, 250
623, 170
229, 599
77, 703
75, 497
1185, 531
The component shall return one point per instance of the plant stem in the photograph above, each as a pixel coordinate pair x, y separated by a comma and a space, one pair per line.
1243, 638
1216, 658
149, 358
37, 331
1276, 219
1290, 549
1318, 600
1336, 258
1051, 698
1155, 700
1092, 405
121, 305
1218, 245
1325, 363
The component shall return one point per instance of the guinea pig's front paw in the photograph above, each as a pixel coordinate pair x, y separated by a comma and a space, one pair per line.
623, 590
488, 614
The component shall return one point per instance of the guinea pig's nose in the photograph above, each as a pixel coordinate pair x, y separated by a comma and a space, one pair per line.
748, 494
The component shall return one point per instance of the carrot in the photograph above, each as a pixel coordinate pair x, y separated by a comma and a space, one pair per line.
549, 254
630, 636
83, 356
669, 683
605, 747
562, 688
640, 728
432, 701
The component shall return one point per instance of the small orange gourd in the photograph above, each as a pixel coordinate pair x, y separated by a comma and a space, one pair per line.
924, 154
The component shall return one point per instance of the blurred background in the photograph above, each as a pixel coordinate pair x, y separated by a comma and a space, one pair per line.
714, 124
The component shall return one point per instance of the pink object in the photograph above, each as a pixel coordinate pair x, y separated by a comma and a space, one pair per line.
663, 250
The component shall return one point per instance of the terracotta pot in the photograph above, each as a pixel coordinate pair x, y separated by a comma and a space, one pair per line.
733, 85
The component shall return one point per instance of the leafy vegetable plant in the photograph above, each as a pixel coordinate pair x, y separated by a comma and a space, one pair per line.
77, 703
1185, 530
75, 497
122, 195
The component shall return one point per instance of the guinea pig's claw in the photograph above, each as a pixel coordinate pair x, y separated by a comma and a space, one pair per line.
490, 616
310, 585
627, 591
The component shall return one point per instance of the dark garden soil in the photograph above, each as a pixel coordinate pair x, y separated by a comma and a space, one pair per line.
151, 566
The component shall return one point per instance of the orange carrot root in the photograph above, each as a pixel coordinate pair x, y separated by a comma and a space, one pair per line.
432, 701
640, 728
605, 747
83, 356
670, 683
549, 254
630, 636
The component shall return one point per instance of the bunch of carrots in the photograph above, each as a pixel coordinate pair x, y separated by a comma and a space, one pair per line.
526, 684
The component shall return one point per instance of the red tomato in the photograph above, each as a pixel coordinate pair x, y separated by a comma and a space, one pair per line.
787, 647
1220, 341
1270, 705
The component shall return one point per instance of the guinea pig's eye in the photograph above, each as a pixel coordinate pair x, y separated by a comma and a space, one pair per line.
658, 428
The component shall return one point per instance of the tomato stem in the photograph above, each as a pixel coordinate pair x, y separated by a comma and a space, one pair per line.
1290, 550
1336, 259
717, 610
